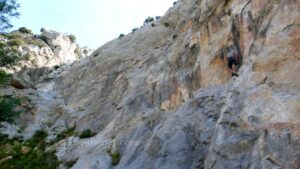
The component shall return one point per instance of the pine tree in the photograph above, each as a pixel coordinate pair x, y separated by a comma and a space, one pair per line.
8, 9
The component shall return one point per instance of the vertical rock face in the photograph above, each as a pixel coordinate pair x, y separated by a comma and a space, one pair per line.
62, 46
163, 96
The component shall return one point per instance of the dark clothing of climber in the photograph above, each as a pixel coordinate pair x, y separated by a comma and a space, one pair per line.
232, 59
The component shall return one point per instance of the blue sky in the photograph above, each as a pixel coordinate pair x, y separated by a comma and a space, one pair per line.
93, 22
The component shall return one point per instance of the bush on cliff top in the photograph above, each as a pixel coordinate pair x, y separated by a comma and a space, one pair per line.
16, 42
72, 38
25, 30
148, 20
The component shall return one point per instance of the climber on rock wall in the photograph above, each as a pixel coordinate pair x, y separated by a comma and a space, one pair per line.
232, 59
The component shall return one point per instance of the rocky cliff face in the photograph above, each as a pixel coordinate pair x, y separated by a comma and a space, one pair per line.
162, 97
46, 50
41, 54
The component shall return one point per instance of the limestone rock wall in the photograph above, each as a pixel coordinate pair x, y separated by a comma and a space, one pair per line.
163, 96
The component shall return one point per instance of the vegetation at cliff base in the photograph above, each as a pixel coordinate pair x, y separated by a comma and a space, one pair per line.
11, 107
66, 133
8, 110
4, 78
17, 153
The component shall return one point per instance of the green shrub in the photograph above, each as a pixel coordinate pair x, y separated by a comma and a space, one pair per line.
66, 133
121, 35
44, 38
148, 20
115, 157
174, 36
25, 30
157, 17
35, 41
86, 134
40, 43
70, 164
39, 135
11, 36
3, 77
227, 2
16, 42
8, 56
38, 139
29, 56
56, 67
134, 29
29, 154
229, 12
7, 109
77, 53
72, 38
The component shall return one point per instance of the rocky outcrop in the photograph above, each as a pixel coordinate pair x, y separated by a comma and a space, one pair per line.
63, 46
41, 54
162, 97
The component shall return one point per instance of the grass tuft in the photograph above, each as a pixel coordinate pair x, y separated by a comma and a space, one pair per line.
115, 157
86, 134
